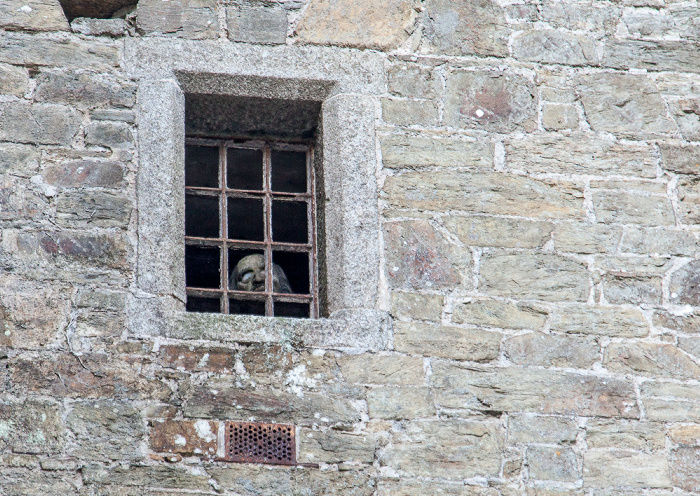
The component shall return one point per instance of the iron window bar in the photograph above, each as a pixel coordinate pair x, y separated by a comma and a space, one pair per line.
268, 245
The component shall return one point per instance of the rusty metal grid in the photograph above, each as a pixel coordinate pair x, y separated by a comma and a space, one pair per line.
268, 244
254, 442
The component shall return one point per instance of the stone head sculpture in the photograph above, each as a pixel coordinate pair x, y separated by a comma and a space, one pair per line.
249, 275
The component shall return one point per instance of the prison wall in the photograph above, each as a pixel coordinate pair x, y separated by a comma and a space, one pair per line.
539, 201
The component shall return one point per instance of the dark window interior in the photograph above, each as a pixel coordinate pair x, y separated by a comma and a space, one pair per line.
259, 257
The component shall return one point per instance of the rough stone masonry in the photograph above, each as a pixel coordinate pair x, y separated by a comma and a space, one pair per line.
538, 170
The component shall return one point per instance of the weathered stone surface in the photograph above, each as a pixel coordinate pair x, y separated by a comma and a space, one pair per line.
413, 81
24, 49
250, 480
335, 447
559, 116
684, 434
625, 434
552, 350
200, 21
553, 463
490, 101
156, 476
494, 193
38, 123
31, 426
18, 160
186, 437
93, 376
254, 480
686, 113
550, 46
600, 321
680, 158
409, 112
685, 468
36, 482
257, 24
83, 89
381, 369
689, 196
579, 153
678, 21
636, 186
472, 28
445, 449
416, 306
13, 80
670, 402
105, 250
105, 430
18, 201
31, 316
687, 323
651, 55
434, 488
690, 345
357, 24
400, 151
224, 401
496, 313
400, 403
157, 17
632, 208
109, 134
685, 284
538, 429
516, 389
84, 173
608, 469
94, 208
32, 15
581, 16
496, 231
418, 256
446, 341
202, 359
659, 242
650, 359
586, 238
623, 103
629, 289
99, 27
331, 483
532, 276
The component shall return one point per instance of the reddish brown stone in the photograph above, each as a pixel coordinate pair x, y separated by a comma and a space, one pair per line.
103, 250
418, 257
85, 173
184, 357
187, 437
87, 376
685, 468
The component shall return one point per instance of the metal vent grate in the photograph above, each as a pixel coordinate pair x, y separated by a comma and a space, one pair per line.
254, 442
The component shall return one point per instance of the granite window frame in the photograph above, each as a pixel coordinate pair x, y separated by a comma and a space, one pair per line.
344, 82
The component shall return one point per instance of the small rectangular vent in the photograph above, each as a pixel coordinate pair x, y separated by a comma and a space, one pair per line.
253, 442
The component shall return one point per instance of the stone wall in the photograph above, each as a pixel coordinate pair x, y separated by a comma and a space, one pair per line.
539, 200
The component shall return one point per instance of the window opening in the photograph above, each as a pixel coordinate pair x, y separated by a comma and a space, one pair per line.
250, 228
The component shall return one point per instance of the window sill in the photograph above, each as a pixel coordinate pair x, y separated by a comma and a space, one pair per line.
356, 328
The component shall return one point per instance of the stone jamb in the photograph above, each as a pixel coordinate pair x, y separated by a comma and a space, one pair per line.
349, 161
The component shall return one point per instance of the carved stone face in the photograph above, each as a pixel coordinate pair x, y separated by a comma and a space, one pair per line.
249, 275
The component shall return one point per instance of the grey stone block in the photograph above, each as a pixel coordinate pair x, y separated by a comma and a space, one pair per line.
257, 24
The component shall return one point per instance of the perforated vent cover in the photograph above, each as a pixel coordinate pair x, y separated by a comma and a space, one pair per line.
254, 442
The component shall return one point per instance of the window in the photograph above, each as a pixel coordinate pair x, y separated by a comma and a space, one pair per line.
250, 228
